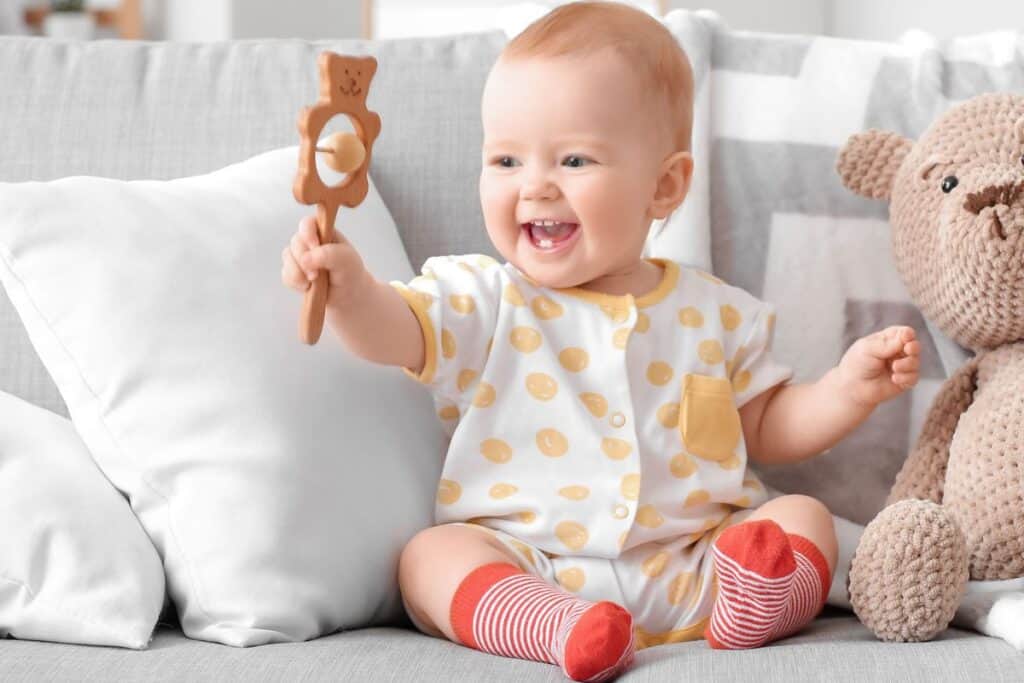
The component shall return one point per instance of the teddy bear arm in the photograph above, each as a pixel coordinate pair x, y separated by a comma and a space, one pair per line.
924, 472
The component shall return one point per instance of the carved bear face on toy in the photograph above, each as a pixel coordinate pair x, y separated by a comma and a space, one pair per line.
957, 214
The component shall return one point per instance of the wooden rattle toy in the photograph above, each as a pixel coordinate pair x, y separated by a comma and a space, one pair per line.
344, 82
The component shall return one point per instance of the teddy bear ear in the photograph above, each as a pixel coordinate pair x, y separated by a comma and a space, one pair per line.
868, 162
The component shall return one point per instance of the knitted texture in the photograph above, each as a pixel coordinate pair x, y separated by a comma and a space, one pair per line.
909, 572
923, 475
957, 214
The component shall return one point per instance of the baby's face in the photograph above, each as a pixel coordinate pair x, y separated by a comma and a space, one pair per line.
572, 142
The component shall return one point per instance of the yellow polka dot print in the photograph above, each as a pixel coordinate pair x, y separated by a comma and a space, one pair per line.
648, 516
659, 373
525, 339
462, 303
654, 565
741, 381
448, 492
552, 443
668, 415
618, 314
541, 386
502, 490
545, 308
691, 317
496, 450
465, 378
574, 359
595, 403
710, 351
616, 449
682, 465
731, 318
484, 395
621, 337
574, 492
448, 346
513, 296
572, 579
630, 486
572, 534
698, 497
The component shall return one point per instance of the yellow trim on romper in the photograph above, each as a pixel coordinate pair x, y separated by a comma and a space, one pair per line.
669, 278
429, 336
643, 639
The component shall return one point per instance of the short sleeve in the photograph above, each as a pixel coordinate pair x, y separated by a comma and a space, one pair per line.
753, 369
455, 300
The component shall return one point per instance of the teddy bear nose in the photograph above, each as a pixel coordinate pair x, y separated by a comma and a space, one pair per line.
1005, 194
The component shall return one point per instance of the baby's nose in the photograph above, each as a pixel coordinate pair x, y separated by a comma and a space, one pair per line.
538, 188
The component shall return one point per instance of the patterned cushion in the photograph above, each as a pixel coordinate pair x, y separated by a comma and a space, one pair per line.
771, 216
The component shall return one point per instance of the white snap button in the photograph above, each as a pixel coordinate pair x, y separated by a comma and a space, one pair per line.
617, 419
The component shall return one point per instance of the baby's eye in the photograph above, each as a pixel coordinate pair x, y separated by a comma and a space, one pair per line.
504, 162
575, 161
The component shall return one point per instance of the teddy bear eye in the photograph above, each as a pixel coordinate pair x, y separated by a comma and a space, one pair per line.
948, 183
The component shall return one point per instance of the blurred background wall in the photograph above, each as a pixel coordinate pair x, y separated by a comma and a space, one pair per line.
202, 20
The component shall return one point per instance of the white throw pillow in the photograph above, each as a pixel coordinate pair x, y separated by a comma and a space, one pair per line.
278, 481
75, 566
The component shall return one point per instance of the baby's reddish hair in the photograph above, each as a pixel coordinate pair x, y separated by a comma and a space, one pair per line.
583, 28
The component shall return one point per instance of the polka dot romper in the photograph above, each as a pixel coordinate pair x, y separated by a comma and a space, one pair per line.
596, 435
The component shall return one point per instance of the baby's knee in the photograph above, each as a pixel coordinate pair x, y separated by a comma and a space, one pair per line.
808, 507
421, 548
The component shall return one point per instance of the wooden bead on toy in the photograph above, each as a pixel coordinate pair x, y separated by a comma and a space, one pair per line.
343, 152
344, 82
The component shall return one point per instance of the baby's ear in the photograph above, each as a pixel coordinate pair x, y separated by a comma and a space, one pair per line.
868, 162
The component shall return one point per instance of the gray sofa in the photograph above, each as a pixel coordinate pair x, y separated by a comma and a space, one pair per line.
156, 110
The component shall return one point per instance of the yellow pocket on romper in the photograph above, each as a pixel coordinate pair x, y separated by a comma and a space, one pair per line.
708, 420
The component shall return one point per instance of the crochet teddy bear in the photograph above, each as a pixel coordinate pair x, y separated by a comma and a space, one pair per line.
956, 509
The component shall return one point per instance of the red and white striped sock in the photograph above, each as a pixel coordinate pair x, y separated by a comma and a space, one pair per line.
770, 585
500, 609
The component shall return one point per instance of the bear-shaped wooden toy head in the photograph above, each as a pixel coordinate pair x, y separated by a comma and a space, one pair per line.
344, 84
957, 214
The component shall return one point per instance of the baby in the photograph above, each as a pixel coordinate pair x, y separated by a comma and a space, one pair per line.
602, 406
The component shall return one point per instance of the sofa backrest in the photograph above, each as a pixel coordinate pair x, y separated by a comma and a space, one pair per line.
135, 110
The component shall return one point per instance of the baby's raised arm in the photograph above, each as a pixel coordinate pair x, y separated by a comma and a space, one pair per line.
798, 421
370, 318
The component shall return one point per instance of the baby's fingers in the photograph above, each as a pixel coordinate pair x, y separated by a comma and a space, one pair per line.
906, 365
291, 275
889, 342
308, 232
905, 381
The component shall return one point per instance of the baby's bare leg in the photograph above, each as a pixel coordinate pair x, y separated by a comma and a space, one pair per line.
433, 565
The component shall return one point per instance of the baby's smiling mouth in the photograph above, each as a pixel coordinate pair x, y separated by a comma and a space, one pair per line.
548, 234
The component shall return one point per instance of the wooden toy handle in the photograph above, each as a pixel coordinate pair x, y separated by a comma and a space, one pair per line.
314, 303
344, 82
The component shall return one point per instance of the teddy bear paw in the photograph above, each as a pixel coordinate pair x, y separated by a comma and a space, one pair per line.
909, 571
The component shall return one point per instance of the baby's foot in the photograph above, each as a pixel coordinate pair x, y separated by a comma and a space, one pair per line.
770, 584
595, 641
499, 608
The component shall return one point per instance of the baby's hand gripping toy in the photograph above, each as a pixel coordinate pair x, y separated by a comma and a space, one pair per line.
344, 82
